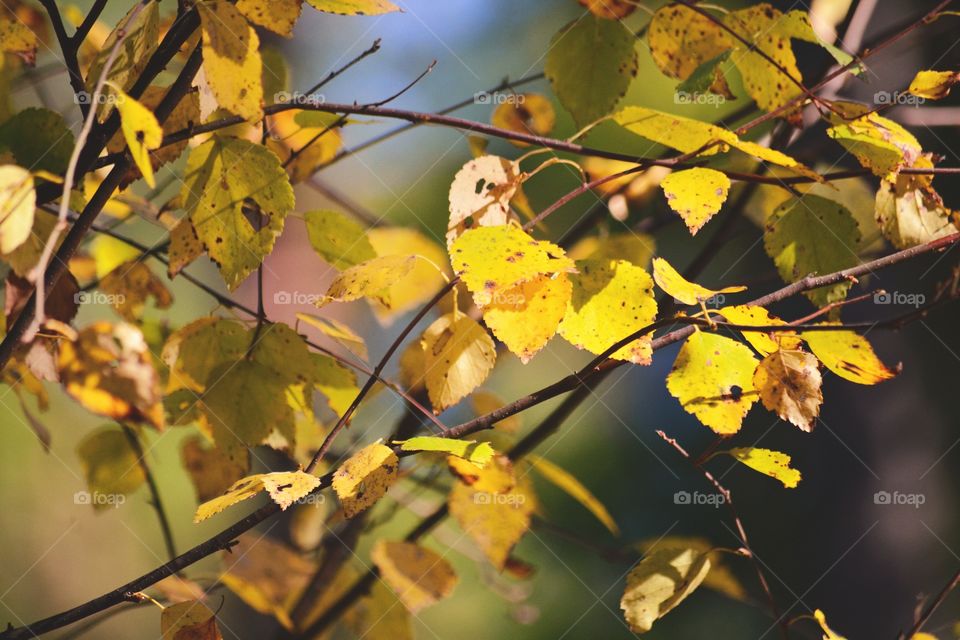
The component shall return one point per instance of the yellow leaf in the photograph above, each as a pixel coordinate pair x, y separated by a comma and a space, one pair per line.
17, 204
933, 85
109, 253
636, 248
494, 520
190, 620
130, 285
611, 299
289, 134
712, 378
526, 316
284, 488
185, 247
354, 7
342, 333
530, 113
910, 212
340, 241
659, 582
720, 578
674, 284
479, 453
696, 194
424, 279
493, 259
609, 9
195, 350
575, 489
109, 371
368, 279
231, 59
420, 577
277, 15
17, 38
365, 478
480, 194
210, 470
459, 356
110, 465
141, 131
879, 144
495, 478
680, 40
849, 355
829, 634
775, 464
764, 343
789, 385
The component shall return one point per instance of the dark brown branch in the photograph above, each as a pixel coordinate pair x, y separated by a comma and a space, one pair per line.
928, 612
68, 48
157, 503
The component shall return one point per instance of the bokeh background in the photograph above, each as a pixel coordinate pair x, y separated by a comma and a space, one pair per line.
826, 544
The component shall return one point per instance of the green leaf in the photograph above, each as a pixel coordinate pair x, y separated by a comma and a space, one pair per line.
111, 466
339, 240
591, 63
712, 378
223, 177
479, 453
813, 235
775, 464
195, 350
38, 139
566, 481
659, 582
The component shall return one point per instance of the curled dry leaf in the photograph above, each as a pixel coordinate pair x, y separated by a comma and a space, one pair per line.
788, 382
420, 577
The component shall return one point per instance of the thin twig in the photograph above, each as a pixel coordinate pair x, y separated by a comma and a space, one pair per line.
165, 528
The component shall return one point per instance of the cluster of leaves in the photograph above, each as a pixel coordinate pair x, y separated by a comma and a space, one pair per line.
497, 282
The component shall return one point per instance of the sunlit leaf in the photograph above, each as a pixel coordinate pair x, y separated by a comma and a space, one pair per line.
141, 131
340, 241
479, 453
879, 144
354, 7
696, 194
712, 378
278, 16
910, 212
17, 204
933, 85
365, 478
775, 464
369, 279
568, 483
526, 316
459, 356
788, 382
636, 248
682, 290
764, 343
191, 620
342, 333
231, 59
590, 63
284, 488
659, 582
420, 577
681, 40
480, 194
829, 634
849, 355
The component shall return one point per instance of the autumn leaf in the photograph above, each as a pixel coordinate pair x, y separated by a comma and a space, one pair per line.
141, 131
283, 487
108, 370
303, 144
526, 316
17, 204
339, 331
421, 283
910, 212
849, 355
530, 113
814, 235
480, 194
681, 40
712, 378
478, 453
933, 85
278, 16
17, 38
878, 143
788, 382
659, 582
231, 59
130, 286
369, 279
696, 194
569, 484
192, 620
775, 464
611, 299
211, 471
110, 465
185, 247
365, 478
338, 239
682, 290
140, 39
420, 577
354, 7
752, 315
590, 64
458, 357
